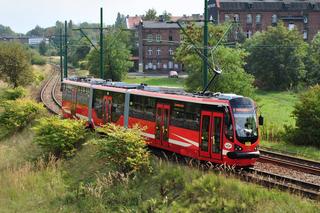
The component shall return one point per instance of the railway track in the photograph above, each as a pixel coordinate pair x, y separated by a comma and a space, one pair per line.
48, 93
299, 164
293, 185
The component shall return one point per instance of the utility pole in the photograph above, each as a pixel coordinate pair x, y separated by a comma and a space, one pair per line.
65, 49
61, 54
205, 45
101, 44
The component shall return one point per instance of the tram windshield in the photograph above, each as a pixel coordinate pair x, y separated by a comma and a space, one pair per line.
245, 120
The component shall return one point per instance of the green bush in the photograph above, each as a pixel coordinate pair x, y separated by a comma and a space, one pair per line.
17, 114
83, 65
14, 93
59, 137
38, 60
307, 114
125, 149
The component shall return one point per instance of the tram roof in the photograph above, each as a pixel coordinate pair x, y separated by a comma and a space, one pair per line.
153, 91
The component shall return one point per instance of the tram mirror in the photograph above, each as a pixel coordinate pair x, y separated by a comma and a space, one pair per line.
261, 120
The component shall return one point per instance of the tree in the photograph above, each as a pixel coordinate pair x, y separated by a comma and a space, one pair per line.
233, 78
313, 61
15, 64
166, 16
80, 52
151, 15
276, 58
43, 48
36, 32
6, 31
120, 21
307, 114
116, 56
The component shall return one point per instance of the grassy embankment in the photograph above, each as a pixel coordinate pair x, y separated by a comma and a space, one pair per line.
84, 184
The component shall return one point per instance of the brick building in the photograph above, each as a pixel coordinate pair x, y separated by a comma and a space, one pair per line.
257, 15
156, 43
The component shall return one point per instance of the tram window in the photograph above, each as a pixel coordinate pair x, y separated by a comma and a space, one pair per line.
149, 113
117, 106
67, 94
142, 107
97, 102
82, 96
228, 128
185, 115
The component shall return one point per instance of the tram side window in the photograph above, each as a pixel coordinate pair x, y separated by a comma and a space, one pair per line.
228, 128
67, 92
97, 102
150, 107
185, 115
117, 106
142, 107
83, 95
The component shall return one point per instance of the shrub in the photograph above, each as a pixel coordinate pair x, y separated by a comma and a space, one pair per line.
124, 149
307, 114
38, 60
17, 114
14, 93
59, 137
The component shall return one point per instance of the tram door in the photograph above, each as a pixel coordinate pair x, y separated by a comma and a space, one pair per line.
162, 124
106, 106
73, 101
211, 135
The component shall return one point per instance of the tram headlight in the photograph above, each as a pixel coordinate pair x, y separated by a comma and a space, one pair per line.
237, 147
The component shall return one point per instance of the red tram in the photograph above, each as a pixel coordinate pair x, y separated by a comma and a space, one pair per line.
221, 128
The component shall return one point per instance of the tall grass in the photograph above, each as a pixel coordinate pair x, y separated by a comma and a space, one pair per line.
276, 107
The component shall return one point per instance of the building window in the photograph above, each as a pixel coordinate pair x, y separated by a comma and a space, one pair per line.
150, 51
158, 64
170, 64
258, 19
236, 17
170, 38
158, 51
249, 33
171, 51
158, 38
149, 37
274, 19
249, 19
305, 34
291, 26
226, 17
150, 65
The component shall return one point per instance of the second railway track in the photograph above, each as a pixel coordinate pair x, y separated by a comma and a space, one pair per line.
306, 166
48, 92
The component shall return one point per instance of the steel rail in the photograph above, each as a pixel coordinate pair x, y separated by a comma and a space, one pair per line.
295, 186
44, 90
299, 164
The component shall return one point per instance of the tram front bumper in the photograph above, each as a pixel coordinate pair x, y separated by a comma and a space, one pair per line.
243, 155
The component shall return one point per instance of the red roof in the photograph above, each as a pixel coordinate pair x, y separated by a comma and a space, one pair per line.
132, 22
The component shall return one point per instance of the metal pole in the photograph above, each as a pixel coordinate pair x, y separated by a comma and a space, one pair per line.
61, 55
65, 49
205, 45
101, 44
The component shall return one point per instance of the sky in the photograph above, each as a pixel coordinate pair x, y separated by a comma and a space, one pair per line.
24, 15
